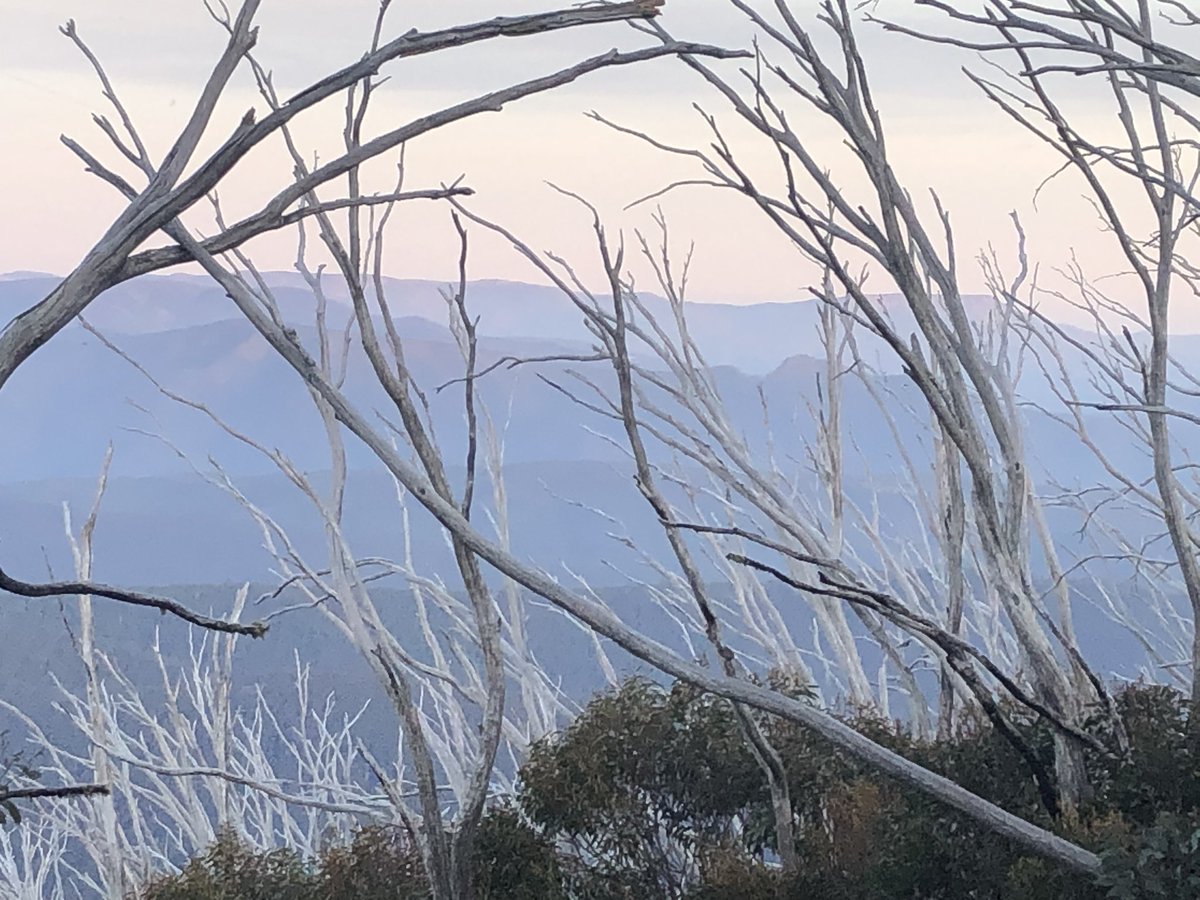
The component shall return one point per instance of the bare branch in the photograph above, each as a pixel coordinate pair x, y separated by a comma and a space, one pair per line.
132, 598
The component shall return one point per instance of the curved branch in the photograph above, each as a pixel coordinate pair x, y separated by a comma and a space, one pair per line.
132, 598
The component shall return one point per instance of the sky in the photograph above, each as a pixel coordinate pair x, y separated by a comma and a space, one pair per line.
942, 135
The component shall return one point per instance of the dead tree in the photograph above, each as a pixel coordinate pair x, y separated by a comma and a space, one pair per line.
167, 197
949, 367
967, 389
1137, 57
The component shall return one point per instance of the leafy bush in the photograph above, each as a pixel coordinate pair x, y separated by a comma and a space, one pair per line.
639, 783
652, 794
512, 861
379, 864
1163, 862
232, 871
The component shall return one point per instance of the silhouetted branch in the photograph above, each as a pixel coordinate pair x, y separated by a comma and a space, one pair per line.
131, 598
54, 793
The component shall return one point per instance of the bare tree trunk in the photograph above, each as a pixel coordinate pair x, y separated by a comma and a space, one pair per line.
952, 534
110, 849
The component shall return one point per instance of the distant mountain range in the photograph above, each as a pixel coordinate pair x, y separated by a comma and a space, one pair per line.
74, 396
754, 338
161, 524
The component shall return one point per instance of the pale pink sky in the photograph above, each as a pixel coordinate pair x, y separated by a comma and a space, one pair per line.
942, 136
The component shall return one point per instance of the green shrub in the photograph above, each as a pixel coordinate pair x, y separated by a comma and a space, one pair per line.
379, 864
514, 861
1163, 862
652, 794
232, 871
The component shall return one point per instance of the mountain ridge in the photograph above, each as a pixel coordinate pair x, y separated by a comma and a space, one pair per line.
752, 337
